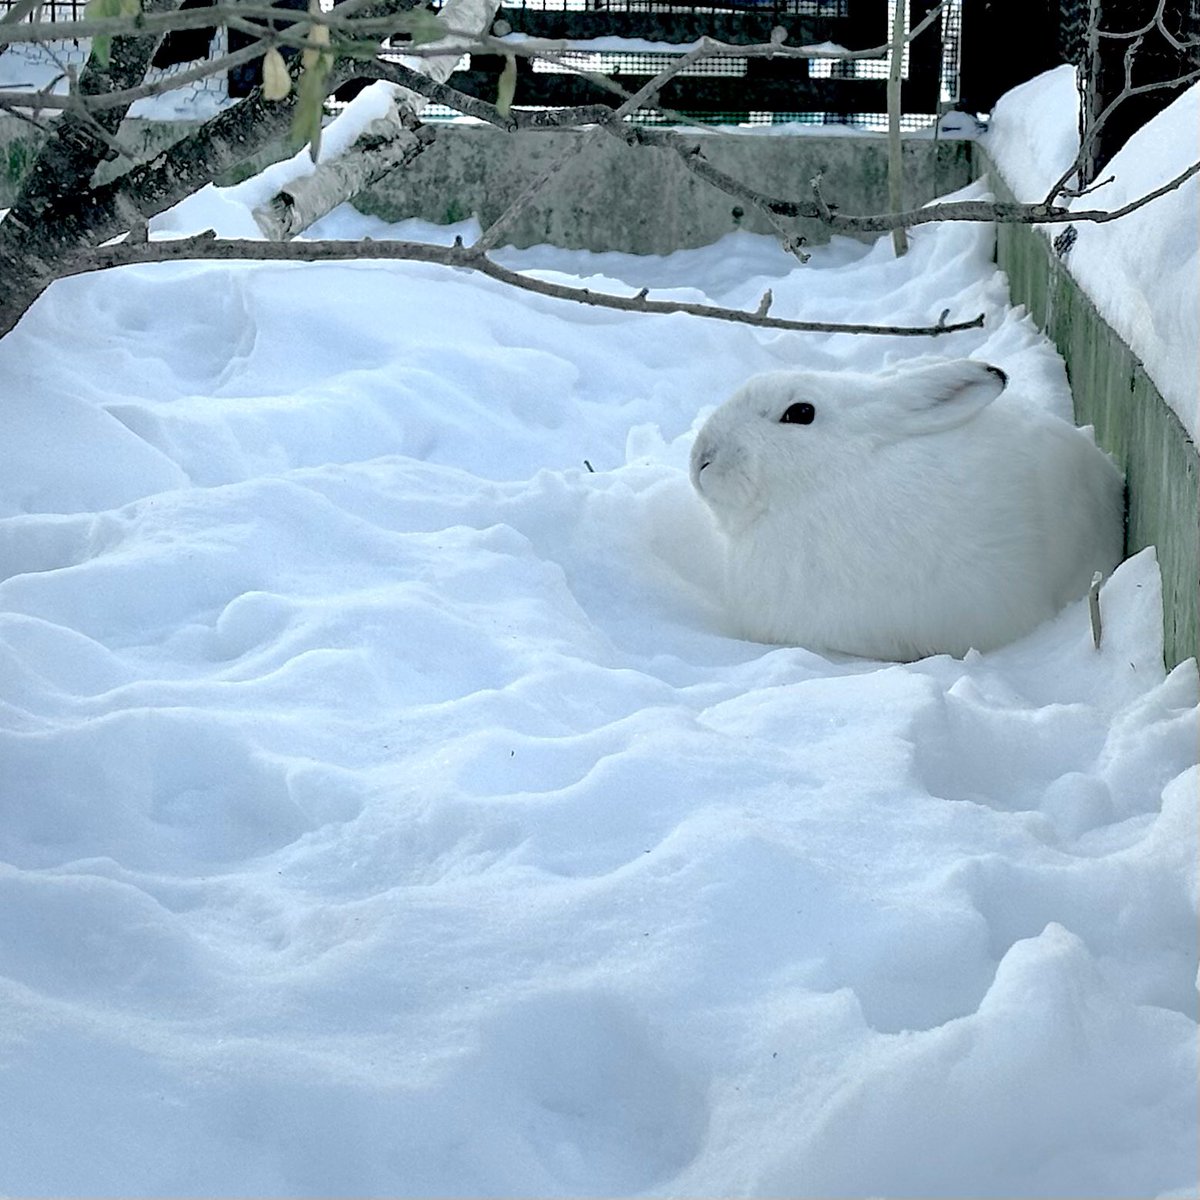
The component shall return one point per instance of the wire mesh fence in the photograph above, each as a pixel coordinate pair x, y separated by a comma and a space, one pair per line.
649, 34
806, 8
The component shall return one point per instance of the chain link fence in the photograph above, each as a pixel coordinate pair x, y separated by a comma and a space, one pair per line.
49, 65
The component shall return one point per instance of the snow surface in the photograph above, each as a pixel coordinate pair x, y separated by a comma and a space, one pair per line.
1143, 271
383, 810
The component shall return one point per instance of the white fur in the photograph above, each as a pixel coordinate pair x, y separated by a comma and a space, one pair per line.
912, 516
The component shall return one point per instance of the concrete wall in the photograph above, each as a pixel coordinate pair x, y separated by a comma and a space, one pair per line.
639, 199
642, 199
1133, 422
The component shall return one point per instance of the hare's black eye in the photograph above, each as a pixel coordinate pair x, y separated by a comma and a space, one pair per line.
798, 414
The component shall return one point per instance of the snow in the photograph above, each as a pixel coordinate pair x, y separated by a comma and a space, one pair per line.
384, 810
1141, 272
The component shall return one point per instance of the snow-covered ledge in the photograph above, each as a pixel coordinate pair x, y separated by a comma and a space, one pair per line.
1123, 306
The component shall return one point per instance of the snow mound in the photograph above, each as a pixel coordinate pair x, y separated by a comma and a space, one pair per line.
1140, 271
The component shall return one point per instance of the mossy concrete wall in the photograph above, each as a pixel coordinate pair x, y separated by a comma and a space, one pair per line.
1132, 420
643, 199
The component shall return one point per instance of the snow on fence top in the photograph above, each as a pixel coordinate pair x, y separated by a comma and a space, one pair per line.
1141, 271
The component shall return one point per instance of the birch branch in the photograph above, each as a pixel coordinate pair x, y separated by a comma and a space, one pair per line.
389, 142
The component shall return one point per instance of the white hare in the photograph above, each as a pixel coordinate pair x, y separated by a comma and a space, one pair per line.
902, 514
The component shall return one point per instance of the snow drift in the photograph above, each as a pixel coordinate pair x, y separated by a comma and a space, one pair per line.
384, 812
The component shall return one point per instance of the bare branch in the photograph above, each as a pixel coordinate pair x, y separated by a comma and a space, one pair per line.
1097, 124
1079, 193
692, 155
823, 210
471, 106
208, 247
1094, 609
648, 92
707, 47
1155, 23
1005, 214
982, 211
1100, 217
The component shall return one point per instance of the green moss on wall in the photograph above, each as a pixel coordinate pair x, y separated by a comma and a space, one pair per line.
1133, 422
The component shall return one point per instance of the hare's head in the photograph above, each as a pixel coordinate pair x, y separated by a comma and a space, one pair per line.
787, 434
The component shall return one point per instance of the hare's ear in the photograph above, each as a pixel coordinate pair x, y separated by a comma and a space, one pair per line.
936, 394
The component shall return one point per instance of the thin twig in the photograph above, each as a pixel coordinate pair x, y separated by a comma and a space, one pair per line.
472, 106
1093, 131
648, 92
823, 210
1094, 609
